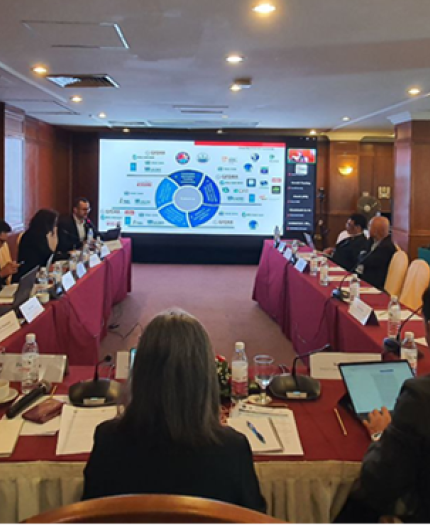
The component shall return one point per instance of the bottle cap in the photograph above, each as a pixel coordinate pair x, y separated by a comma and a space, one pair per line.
239, 346
30, 338
394, 298
409, 335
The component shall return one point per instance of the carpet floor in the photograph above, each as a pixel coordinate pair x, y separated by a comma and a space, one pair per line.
219, 296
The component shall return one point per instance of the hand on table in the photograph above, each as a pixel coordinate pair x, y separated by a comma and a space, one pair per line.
377, 421
9, 269
329, 251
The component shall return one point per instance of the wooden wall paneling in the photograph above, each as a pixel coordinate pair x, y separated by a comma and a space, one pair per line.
384, 173
402, 195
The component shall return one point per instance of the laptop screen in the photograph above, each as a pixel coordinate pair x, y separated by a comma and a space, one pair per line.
374, 385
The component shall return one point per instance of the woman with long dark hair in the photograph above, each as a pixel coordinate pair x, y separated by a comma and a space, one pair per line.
39, 242
169, 439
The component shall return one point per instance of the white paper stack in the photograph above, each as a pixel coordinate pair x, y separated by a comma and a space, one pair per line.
9, 432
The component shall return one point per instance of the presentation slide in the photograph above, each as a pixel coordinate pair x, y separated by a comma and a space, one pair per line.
192, 187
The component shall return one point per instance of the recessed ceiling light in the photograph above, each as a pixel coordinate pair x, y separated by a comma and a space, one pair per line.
219, 132
312, 132
346, 119
234, 59
40, 70
414, 91
235, 87
264, 9
126, 130
102, 115
76, 98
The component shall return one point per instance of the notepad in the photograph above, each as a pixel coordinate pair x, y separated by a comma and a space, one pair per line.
382, 315
264, 426
77, 428
9, 433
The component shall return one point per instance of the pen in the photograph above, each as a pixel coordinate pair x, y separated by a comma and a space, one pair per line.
255, 432
342, 426
53, 391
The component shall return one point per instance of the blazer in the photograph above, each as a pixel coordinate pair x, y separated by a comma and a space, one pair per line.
34, 250
376, 262
397, 466
68, 236
124, 463
348, 250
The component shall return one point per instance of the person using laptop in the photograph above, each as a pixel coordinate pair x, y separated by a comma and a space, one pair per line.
73, 229
7, 266
396, 465
38, 243
347, 251
169, 439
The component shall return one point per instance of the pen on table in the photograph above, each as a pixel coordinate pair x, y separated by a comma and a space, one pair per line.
342, 426
53, 391
255, 432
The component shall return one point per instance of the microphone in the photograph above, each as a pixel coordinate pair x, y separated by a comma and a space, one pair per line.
393, 346
340, 294
42, 389
297, 386
97, 391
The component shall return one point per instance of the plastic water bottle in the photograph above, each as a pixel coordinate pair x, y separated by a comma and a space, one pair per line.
409, 351
85, 254
324, 278
313, 264
29, 364
394, 317
239, 373
98, 245
58, 272
90, 236
43, 279
354, 288
276, 236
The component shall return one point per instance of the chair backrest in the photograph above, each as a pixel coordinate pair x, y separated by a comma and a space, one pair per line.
152, 508
417, 280
396, 273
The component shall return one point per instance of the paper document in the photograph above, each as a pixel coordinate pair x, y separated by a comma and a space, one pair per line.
78, 426
8, 291
337, 269
382, 315
421, 341
9, 432
334, 278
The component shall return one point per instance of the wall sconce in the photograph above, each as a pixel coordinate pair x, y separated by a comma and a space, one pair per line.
345, 170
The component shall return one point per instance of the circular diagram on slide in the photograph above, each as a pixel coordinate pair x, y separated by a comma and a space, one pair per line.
187, 198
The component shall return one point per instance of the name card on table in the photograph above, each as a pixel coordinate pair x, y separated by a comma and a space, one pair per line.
51, 367
9, 324
104, 252
80, 270
122, 369
325, 364
362, 312
94, 260
301, 265
68, 281
114, 245
281, 247
288, 254
31, 309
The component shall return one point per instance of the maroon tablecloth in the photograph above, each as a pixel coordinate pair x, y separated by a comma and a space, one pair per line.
319, 430
75, 324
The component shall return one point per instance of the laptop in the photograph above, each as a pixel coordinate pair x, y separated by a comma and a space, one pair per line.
111, 235
309, 241
374, 384
22, 292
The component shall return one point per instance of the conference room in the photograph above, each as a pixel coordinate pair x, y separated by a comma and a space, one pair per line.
250, 176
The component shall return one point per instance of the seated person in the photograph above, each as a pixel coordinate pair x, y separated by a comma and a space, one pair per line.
169, 439
38, 243
396, 465
7, 266
73, 229
347, 251
374, 264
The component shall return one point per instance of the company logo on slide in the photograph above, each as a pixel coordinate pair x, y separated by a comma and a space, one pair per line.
226, 190
248, 168
252, 197
264, 183
251, 183
146, 184
276, 190
230, 160
133, 166
264, 170
255, 157
182, 158
253, 225
276, 180
202, 157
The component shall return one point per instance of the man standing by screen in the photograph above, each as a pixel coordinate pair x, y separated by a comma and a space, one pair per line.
73, 229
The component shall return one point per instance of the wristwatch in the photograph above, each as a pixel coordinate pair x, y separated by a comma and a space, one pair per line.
376, 436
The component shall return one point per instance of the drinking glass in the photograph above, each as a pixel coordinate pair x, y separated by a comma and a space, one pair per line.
263, 372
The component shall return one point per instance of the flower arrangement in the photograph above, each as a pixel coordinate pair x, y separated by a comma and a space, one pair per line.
224, 375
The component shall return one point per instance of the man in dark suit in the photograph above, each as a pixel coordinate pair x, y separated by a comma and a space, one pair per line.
347, 251
396, 465
380, 250
73, 229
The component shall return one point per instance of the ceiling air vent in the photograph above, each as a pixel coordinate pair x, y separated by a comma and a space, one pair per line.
125, 124
83, 81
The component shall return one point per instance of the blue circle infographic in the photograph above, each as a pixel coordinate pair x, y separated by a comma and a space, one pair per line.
187, 198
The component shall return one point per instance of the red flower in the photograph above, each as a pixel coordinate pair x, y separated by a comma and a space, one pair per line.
220, 358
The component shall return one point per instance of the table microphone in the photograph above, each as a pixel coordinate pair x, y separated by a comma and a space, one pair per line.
298, 386
96, 391
393, 346
42, 389
340, 294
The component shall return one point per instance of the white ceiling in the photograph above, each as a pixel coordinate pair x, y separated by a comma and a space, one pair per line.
311, 62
